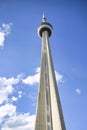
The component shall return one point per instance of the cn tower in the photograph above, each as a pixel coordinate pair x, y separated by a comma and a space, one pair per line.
49, 115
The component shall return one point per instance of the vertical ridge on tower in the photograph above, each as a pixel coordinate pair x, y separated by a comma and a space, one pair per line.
49, 114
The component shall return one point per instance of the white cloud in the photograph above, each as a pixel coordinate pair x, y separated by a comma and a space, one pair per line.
59, 77
8, 81
31, 80
14, 98
78, 91
20, 76
20, 122
6, 87
7, 110
4, 31
37, 69
9, 118
6, 28
2, 38
20, 94
4, 92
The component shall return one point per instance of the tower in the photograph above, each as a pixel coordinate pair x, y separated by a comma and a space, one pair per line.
49, 114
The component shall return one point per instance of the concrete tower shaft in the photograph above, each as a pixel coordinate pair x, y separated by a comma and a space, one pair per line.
49, 114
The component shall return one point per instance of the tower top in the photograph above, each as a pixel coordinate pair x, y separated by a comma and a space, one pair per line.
44, 26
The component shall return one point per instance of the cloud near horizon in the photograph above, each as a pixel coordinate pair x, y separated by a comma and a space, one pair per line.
6, 110
10, 119
20, 122
6, 88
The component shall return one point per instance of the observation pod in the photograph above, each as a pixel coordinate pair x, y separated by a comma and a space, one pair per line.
45, 26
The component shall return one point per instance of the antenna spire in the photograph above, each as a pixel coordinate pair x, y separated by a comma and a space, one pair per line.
43, 15
43, 18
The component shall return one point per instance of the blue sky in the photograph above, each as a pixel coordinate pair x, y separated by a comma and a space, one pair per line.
20, 53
